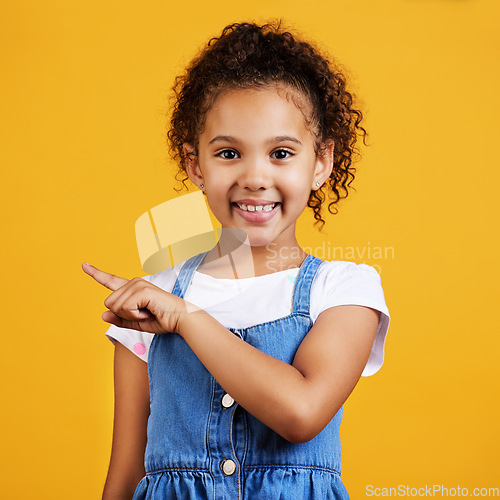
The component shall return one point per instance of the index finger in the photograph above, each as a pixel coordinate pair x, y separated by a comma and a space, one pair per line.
108, 280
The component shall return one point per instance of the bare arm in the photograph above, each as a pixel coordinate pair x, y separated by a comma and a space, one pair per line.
126, 467
298, 400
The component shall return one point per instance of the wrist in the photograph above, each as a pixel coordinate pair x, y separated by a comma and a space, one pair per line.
185, 316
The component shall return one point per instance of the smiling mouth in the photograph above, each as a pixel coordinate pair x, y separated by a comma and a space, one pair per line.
256, 208
261, 213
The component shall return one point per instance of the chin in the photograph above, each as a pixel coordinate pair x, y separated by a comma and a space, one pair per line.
259, 241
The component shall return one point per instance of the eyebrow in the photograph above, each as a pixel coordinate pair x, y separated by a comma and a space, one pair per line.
274, 140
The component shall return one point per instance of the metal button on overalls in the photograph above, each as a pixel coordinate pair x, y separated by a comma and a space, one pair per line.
227, 401
228, 467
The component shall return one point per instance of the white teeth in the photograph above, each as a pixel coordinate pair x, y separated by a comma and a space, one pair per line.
256, 208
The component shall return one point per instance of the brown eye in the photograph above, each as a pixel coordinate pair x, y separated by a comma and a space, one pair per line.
228, 154
281, 154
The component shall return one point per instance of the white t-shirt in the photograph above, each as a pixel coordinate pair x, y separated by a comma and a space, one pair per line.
240, 303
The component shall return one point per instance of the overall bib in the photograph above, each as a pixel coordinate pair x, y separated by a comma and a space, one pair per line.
202, 445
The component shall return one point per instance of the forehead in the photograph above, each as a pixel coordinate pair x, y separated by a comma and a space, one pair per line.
259, 111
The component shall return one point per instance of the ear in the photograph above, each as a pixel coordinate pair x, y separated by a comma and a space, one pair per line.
324, 164
192, 165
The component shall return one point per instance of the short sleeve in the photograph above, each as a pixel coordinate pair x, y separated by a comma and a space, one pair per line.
134, 340
347, 283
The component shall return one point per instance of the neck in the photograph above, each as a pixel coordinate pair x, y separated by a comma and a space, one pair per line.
234, 257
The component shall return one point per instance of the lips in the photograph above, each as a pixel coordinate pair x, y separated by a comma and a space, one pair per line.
250, 201
262, 216
257, 208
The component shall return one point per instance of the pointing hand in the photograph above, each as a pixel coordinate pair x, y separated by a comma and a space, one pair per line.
138, 304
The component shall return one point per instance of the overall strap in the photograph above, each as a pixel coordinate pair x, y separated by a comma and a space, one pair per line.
186, 274
302, 289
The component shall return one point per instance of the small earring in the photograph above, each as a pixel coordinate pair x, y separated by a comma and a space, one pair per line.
317, 184
202, 186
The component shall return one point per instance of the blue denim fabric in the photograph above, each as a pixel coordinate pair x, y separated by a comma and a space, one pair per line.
191, 434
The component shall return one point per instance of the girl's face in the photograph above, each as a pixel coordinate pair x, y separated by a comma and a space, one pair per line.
257, 160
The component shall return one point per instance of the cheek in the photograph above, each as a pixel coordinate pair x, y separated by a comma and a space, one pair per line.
298, 183
298, 190
216, 179
218, 199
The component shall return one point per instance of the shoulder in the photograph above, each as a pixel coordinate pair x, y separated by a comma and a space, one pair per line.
344, 282
342, 271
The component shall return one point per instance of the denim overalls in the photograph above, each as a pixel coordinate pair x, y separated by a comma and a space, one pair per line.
202, 445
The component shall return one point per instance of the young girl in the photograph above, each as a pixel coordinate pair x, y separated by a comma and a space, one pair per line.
232, 367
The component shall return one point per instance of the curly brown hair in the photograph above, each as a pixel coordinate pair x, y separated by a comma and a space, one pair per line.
247, 55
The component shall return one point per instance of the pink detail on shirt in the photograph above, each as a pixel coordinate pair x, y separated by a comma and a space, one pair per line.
139, 348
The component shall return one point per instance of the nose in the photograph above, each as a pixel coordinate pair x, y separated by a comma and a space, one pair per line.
255, 174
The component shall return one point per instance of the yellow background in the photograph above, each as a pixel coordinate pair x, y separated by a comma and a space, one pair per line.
84, 92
